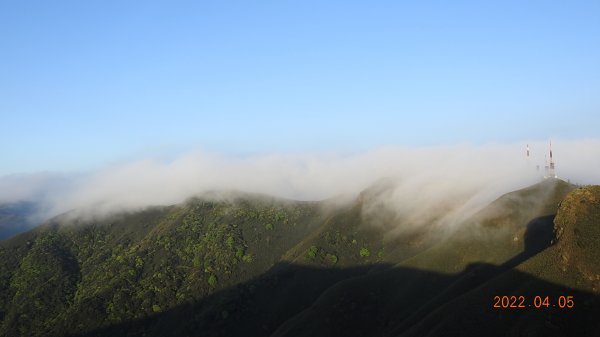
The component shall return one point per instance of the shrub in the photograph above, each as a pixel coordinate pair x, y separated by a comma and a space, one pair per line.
248, 258
139, 262
269, 227
364, 252
229, 241
239, 253
312, 252
332, 258
212, 280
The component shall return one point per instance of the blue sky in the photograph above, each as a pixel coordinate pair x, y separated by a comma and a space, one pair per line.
83, 83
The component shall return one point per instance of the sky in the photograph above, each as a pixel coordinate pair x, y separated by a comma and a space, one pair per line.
88, 83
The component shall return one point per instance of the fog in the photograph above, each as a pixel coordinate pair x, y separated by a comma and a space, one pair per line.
455, 180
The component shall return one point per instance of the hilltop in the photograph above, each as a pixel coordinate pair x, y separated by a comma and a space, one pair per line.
257, 266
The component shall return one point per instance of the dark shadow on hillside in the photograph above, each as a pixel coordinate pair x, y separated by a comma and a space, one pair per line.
363, 309
296, 300
538, 236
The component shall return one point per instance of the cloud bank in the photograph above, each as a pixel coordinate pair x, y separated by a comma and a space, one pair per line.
461, 177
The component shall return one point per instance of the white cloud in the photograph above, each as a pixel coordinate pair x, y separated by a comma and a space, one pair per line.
459, 178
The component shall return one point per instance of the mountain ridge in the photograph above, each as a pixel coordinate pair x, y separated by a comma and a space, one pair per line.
276, 265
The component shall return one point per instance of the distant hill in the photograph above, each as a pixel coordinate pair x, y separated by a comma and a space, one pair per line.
252, 265
16, 218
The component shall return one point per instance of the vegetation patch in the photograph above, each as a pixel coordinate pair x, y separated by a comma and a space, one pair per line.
331, 258
312, 251
364, 252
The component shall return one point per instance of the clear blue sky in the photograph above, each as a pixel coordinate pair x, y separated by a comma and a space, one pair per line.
86, 82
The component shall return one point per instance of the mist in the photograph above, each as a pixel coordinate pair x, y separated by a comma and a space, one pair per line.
456, 180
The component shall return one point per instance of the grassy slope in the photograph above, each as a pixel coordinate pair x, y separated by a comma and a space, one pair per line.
351, 236
496, 233
567, 268
482, 256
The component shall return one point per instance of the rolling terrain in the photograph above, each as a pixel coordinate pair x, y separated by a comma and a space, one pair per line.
252, 265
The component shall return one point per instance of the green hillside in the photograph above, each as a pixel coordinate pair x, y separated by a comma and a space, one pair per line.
73, 276
250, 265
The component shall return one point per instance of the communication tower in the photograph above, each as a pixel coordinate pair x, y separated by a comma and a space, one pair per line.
549, 171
